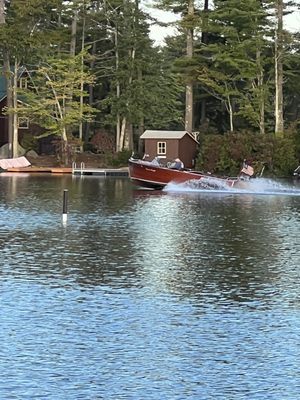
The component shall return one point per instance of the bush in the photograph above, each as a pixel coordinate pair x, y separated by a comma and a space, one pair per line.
224, 154
29, 142
284, 157
119, 159
102, 143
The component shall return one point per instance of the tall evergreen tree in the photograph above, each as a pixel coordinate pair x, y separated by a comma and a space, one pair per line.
232, 64
22, 37
189, 19
138, 82
279, 123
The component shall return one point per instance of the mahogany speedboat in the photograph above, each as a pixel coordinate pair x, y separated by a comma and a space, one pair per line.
152, 175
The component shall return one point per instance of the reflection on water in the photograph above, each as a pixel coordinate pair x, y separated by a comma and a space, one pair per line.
147, 295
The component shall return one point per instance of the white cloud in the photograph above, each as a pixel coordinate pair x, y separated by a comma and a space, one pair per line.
292, 21
158, 33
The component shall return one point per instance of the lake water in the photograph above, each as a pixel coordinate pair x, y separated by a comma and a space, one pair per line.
148, 295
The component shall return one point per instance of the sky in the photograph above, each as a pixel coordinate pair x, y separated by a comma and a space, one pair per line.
291, 22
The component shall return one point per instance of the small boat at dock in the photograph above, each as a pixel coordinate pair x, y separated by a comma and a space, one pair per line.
153, 175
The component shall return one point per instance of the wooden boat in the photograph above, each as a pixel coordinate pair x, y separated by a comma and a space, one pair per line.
152, 175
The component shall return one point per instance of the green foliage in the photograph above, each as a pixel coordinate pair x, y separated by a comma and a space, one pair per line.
142, 87
225, 154
102, 143
231, 67
233, 72
119, 159
66, 152
284, 156
30, 28
54, 104
29, 142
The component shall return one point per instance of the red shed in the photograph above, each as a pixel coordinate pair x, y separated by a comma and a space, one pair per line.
168, 145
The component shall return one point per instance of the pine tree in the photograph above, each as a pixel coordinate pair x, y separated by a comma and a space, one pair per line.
231, 65
188, 22
23, 38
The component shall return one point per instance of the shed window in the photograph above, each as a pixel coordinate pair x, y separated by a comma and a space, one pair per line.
23, 83
23, 122
161, 148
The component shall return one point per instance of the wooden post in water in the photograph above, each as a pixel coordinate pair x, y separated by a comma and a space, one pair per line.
65, 206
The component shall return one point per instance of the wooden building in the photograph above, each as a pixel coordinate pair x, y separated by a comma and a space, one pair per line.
168, 145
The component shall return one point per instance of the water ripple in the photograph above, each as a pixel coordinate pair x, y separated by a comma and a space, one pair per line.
147, 296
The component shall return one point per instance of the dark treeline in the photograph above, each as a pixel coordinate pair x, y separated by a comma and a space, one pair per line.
95, 76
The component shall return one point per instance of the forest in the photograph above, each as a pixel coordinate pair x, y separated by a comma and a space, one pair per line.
229, 74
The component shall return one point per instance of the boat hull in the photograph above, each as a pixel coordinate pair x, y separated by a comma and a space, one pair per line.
149, 175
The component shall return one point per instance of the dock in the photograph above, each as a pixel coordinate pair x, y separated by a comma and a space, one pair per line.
83, 170
100, 171
45, 170
74, 170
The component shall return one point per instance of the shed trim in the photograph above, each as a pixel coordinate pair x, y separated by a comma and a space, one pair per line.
149, 134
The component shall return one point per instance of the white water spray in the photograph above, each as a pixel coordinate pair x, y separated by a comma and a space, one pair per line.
261, 186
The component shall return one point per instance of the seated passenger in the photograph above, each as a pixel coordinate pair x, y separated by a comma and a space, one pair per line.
247, 171
155, 161
177, 164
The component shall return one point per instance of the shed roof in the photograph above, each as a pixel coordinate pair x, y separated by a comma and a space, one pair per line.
148, 134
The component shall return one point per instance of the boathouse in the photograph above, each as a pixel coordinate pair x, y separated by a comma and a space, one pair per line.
168, 145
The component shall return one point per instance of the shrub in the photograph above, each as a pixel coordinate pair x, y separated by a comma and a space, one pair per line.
119, 159
224, 154
29, 142
102, 143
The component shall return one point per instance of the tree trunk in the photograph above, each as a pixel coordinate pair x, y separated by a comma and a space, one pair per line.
73, 33
2, 12
204, 35
122, 133
128, 140
81, 88
7, 76
128, 133
260, 83
118, 121
204, 41
141, 126
189, 86
279, 124
230, 110
65, 150
91, 86
15, 138
91, 92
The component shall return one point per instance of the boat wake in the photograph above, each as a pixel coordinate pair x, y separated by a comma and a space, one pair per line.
259, 186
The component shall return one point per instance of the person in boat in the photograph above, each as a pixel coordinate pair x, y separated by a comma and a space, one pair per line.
155, 160
247, 171
177, 164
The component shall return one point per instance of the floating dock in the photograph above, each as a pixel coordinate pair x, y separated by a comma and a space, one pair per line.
100, 172
83, 170
75, 171
45, 170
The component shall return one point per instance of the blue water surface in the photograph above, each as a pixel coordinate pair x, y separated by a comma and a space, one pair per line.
147, 295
